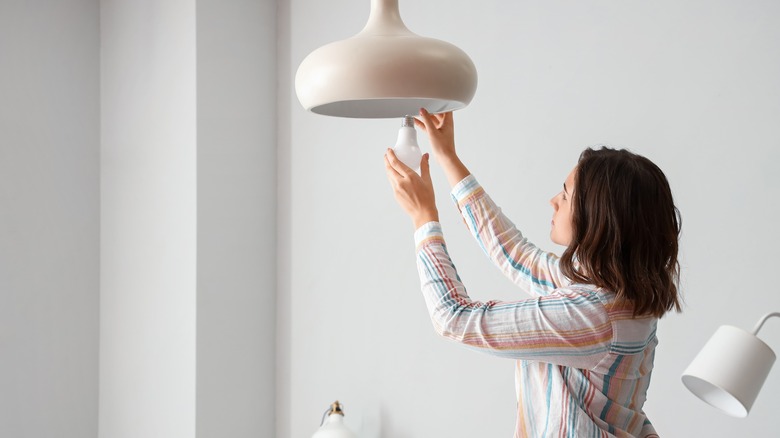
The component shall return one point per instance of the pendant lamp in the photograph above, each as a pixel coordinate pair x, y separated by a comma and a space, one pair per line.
385, 71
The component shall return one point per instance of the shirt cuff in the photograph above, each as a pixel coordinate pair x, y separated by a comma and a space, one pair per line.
464, 189
426, 232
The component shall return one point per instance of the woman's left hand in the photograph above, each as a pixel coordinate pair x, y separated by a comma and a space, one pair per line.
413, 192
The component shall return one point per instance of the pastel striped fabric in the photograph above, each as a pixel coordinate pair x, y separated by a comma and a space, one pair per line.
583, 363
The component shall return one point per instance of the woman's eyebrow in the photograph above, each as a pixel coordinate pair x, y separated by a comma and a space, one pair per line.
564, 189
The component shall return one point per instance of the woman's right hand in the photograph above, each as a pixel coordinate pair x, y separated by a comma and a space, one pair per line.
441, 135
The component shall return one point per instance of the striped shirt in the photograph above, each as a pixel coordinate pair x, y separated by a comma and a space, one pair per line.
583, 362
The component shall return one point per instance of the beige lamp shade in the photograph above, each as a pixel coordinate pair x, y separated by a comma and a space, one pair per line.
385, 71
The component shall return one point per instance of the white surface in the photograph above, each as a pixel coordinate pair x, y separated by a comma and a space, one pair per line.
148, 219
730, 369
691, 85
49, 213
236, 218
188, 220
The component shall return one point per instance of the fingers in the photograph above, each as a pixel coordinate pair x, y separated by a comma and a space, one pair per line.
392, 174
439, 120
401, 169
425, 168
397, 178
419, 124
435, 121
447, 119
443, 119
426, 120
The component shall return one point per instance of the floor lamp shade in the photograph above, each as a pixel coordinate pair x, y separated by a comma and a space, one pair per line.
729, 371
385, 71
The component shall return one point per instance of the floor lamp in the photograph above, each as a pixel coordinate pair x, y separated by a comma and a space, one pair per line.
730, 370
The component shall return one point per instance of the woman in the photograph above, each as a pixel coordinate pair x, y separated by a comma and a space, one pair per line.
585, 342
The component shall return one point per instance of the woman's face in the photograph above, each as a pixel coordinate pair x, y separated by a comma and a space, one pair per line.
562, 230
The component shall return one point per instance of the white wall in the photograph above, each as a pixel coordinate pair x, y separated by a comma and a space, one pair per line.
148, 219
49, 210
692, 85
236, 93
188, 218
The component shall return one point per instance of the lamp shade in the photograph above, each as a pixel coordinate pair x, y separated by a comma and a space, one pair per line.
730, 370
333, 426
385, 71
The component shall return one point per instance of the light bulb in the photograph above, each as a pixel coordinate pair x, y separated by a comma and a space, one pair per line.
406, 148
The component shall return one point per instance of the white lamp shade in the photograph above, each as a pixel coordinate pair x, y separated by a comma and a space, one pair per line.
385, 71
729, 371
334, 427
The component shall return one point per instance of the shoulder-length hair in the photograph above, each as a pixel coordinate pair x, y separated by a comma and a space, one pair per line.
625, 231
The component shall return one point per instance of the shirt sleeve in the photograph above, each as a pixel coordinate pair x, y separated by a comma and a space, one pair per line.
565, 327
535, 271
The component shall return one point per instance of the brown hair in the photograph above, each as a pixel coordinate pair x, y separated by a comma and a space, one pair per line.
625, 230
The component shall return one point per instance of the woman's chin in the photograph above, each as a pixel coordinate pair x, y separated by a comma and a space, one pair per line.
557, 240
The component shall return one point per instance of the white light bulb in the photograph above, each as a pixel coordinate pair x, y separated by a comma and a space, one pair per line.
406, 148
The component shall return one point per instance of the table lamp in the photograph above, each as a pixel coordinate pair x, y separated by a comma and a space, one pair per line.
730, 370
